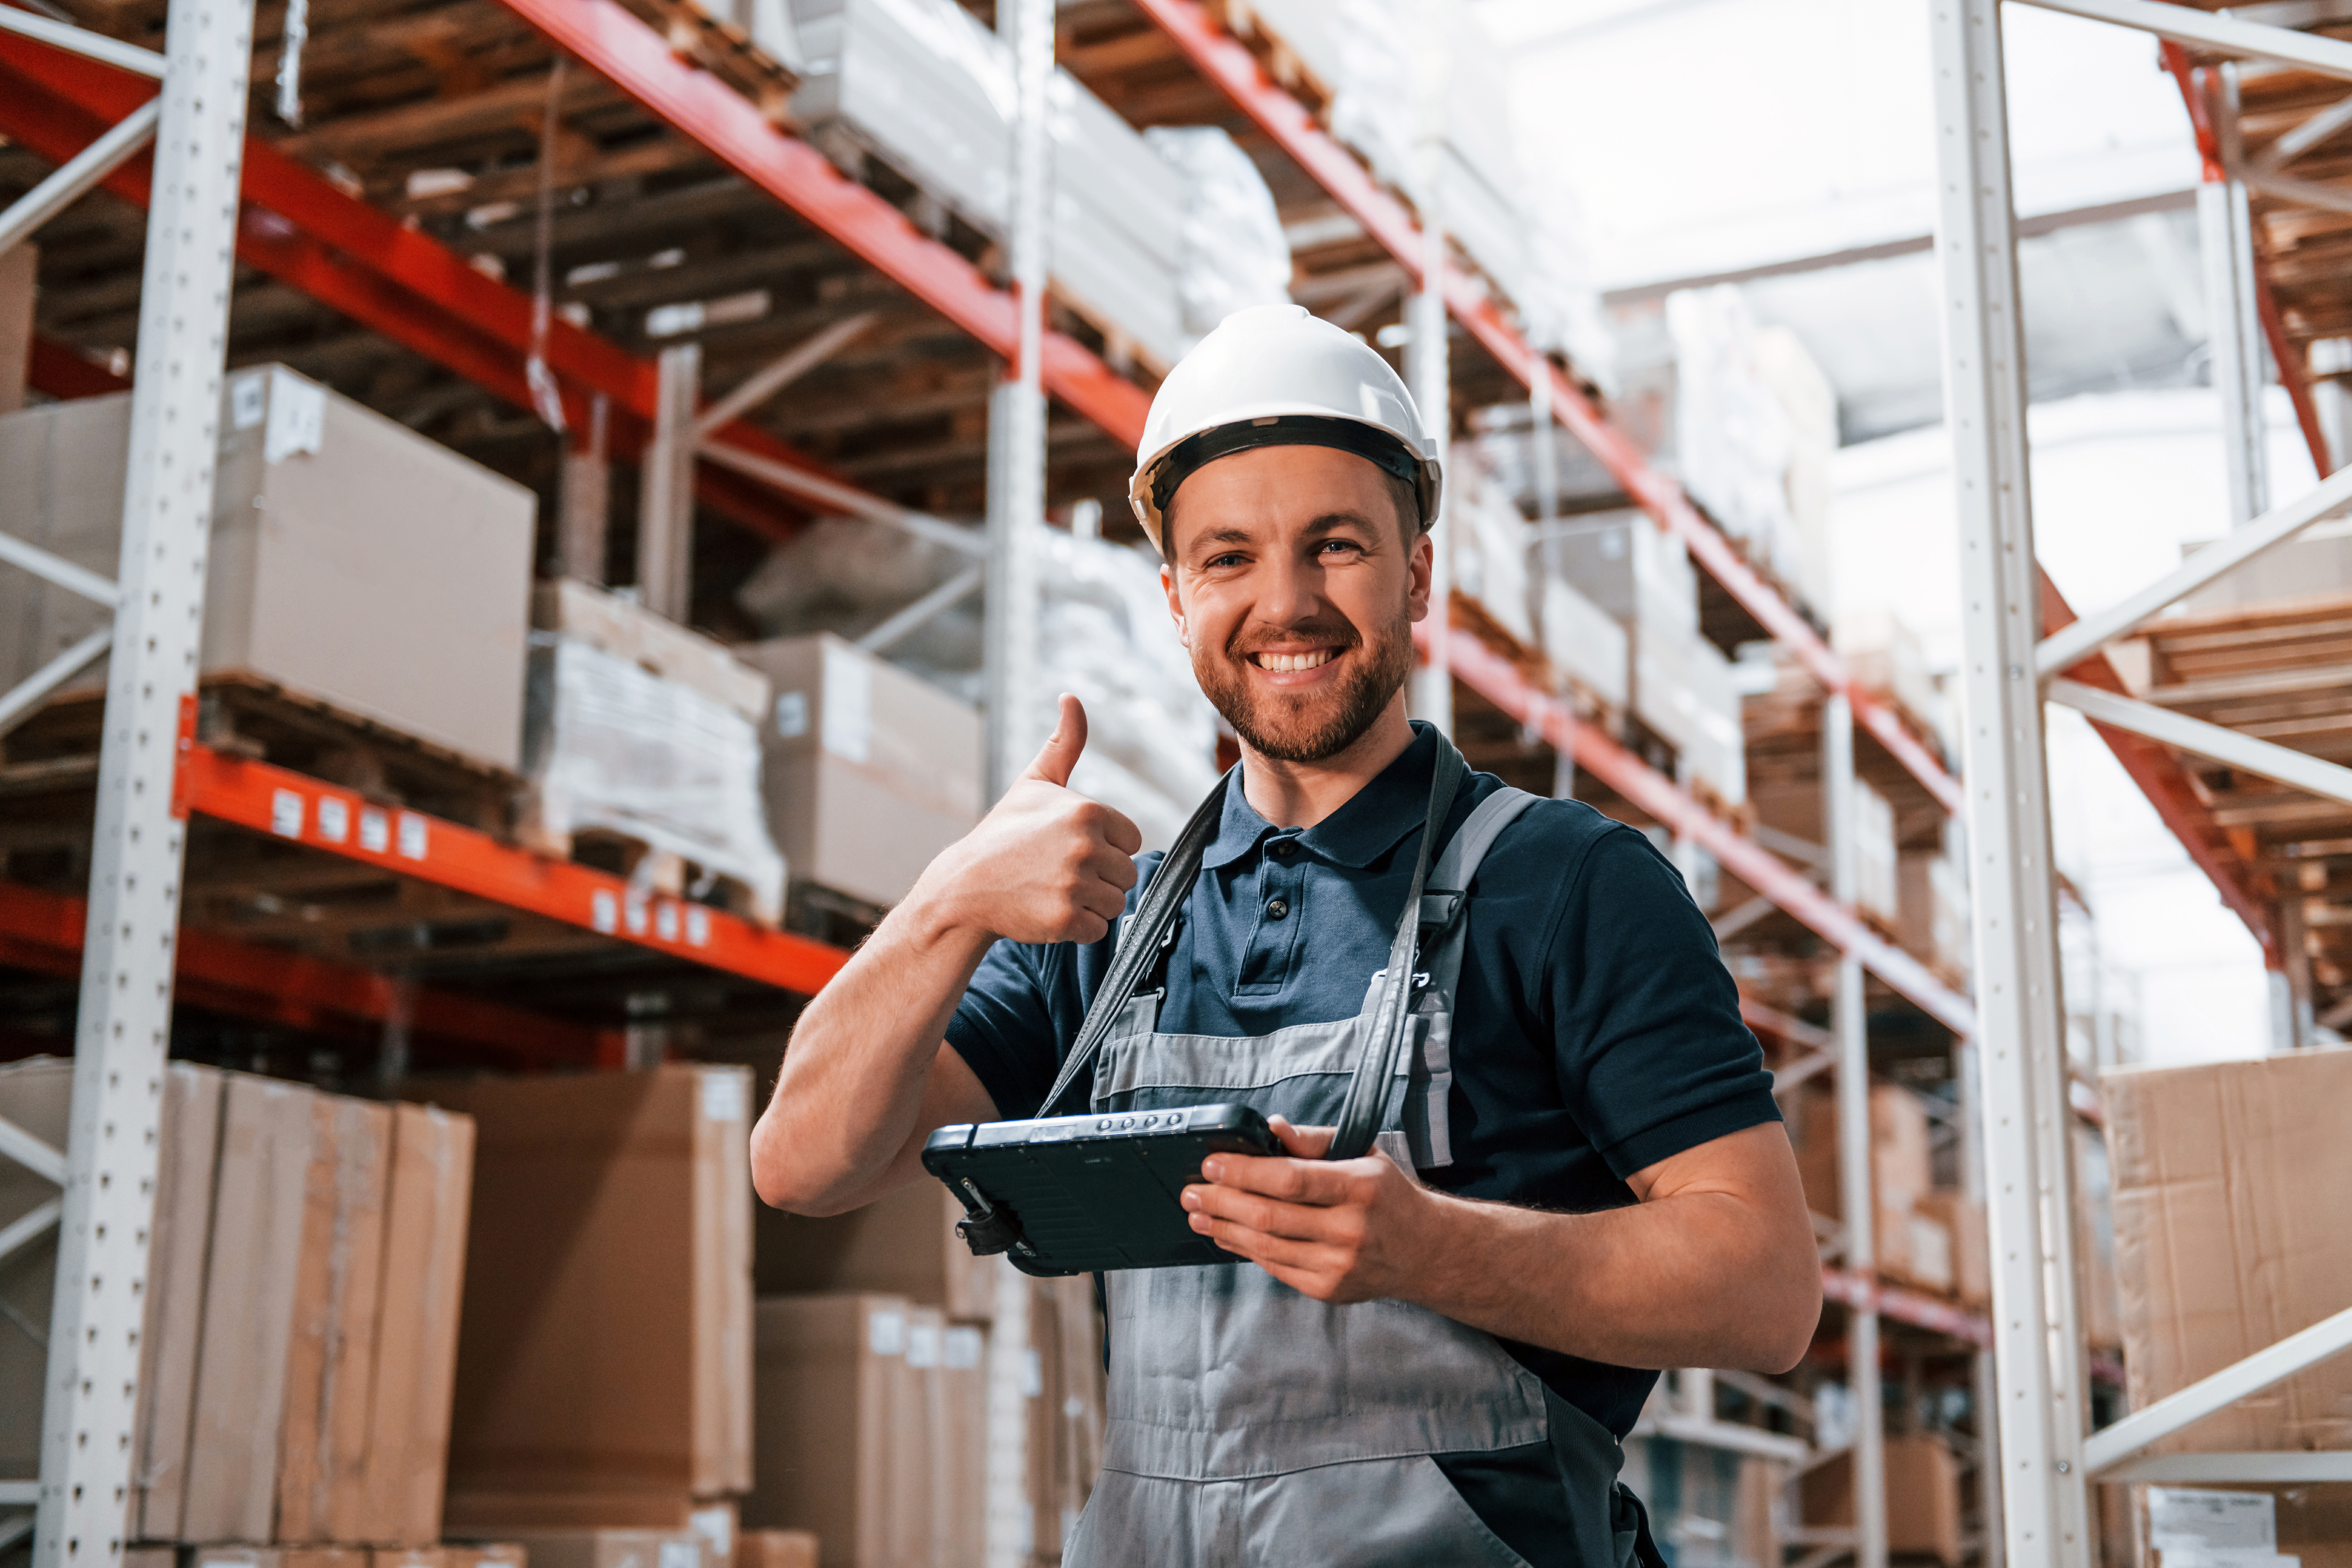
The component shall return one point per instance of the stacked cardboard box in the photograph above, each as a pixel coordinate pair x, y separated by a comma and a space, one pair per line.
871, 1418
301, 1334
333, 532
604, 1361
640, 729
1923, 1497
1932, 910
903, 1244
868, 771
2229, 1183
1066, 1411
1913, 1237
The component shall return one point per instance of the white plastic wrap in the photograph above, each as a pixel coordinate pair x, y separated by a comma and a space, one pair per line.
1105, 638
1235, 254
1734, 443
610, 747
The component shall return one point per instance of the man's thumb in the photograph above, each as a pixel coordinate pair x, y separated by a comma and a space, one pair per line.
1060, 753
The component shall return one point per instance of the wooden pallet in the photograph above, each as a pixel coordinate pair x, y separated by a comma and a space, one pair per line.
656, 869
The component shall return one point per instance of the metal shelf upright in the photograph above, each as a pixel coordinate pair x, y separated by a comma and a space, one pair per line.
2014, 662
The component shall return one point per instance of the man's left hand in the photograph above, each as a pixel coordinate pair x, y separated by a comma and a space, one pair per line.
1337, 1230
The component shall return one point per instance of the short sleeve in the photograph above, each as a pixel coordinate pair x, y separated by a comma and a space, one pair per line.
1004, 1029
1653, 1058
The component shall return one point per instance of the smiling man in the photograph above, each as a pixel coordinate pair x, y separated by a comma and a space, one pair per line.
1429, 1354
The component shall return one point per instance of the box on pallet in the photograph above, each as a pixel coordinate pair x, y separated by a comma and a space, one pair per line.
641, 730
1932, 909
614, 1548
18, 265
605, 1363
777, 1549
332, 532
1913, 1245
868, 771
1066, 1411
281, 1557
1963, 1220
2228, 1234
1923, 1496
902, 1244
300, 1344
863, 1404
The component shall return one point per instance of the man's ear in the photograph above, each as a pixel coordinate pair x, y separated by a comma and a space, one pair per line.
1175, 601
1421, 564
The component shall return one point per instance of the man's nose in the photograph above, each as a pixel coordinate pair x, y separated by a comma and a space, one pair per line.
1291, 592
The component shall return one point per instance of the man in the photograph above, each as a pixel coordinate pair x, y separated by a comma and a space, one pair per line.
1427, 1355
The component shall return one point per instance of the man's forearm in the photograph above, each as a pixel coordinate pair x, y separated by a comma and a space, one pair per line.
1696, 1279
853, 1082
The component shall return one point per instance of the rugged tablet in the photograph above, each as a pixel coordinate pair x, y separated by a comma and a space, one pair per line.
1073, 1195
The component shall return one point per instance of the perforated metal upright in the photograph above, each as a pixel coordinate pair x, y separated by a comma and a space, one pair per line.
125, 1023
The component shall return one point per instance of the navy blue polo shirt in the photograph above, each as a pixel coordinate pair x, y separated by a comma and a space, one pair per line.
1596, 1031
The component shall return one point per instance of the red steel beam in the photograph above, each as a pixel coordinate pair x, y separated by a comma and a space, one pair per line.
394, 279
286, 805
1228, 63
639, 62
43, 931
62, 373
1497, 681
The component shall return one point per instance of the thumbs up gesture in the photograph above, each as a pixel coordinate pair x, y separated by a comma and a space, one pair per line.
1047, 864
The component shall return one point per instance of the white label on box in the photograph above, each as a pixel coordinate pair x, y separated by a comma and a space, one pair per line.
680, 1554
298, 417
848, 722
2212, 1524
248, 398
1033, 1375
791, 715
411, 836
923, 1345
286, 813
334, 819
723, 1097
885, 1334
960, 1353
716, 1525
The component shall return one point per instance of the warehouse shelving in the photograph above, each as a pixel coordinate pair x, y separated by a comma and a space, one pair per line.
394, 280
2049, 1457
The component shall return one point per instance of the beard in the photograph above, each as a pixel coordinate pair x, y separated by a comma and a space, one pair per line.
1309, 726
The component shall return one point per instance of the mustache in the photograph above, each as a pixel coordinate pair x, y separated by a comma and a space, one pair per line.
1247, 640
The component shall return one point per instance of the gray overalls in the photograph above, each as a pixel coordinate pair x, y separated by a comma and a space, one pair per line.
1252, 1424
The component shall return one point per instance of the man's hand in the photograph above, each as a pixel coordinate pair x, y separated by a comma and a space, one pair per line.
1338, 1230
1046, 864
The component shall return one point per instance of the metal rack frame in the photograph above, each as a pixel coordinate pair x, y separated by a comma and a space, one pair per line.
2013, 667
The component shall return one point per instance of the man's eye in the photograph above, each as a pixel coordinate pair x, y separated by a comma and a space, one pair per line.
1349, 544
1215, 561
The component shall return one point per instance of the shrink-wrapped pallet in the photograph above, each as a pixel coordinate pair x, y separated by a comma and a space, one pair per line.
612, 748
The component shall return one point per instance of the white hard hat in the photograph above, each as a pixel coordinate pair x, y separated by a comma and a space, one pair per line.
1274, 375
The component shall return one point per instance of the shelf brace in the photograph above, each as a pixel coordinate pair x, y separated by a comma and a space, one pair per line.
82, 41
21, 701
2143, 1429
29, 1227
2063, 649
943, 597
2297, 770
75, 178
767, 382
57, 568
2223, 34
844, 500
35, 1154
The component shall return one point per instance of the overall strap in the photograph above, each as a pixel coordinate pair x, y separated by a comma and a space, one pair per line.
1451, 881
1368, 1092
1139, 944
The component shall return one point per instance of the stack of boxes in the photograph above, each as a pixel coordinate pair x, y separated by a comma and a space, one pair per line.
1926, 1237
297, 1365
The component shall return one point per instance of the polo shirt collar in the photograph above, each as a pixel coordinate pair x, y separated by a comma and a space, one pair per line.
1371, 822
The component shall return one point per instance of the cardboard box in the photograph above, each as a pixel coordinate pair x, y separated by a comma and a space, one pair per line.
604, 1364
1964, 1220
181, 1242
902, 1244
1923, 1497
777, 1549
338, 1294
1901, 1151
654, 643
2229, 1183
963, 1477
392, 1491
831, 1372
486, 1554
1932, 910
408, 1557
333, 532
279, 1557
1066, 1416
869, 772
614, 1549
258, 1209
38, 1096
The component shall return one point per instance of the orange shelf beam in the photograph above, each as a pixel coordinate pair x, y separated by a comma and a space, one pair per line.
322, 816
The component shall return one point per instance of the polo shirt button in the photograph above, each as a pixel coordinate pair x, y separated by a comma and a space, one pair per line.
1283, 848
1277, 909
